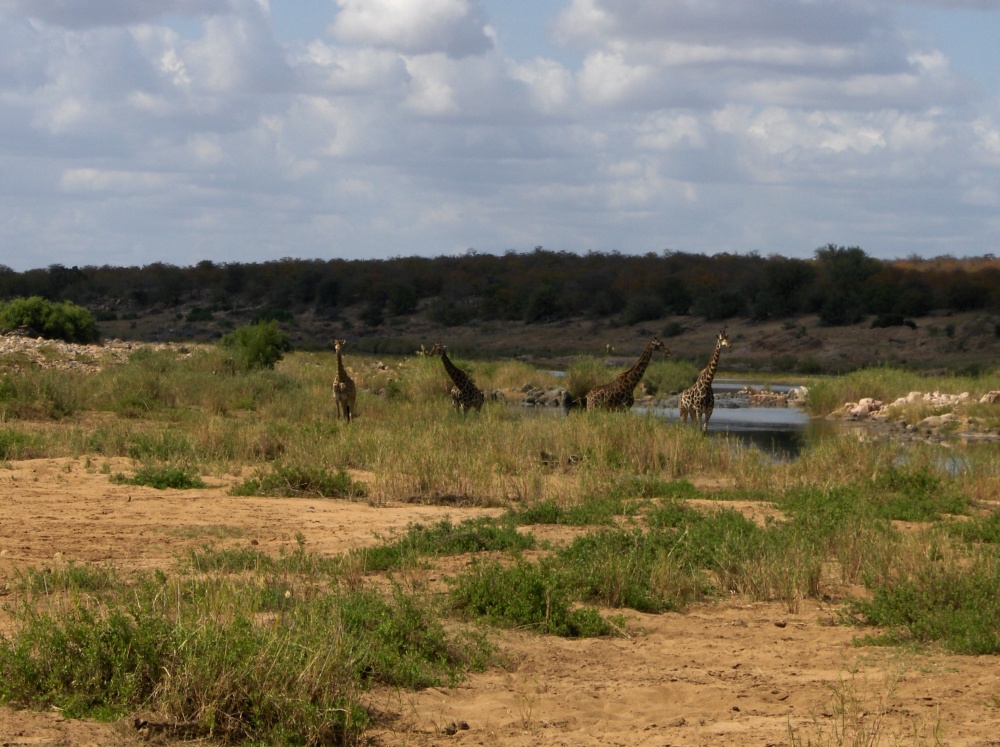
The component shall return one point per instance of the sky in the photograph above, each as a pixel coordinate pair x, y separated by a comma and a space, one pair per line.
142, 131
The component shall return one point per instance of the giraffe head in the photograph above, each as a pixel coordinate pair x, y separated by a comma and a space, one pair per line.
722, 340
438, 349
657, 344
338, 344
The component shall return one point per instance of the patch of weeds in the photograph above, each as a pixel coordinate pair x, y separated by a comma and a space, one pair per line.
215, 531
161, 478
226, 657
402, 643
291, 481
15, 444
625, 499
617, 568
984, 529
918, 495
210, 559
525, 595
954, 602
169, 444
895, 495
444, 538
71, 578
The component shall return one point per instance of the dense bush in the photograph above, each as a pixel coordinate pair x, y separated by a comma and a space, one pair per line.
256, 346
55, 321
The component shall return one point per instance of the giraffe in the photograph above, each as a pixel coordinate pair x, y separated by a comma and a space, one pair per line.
343, 386
617, 394
465, 395
698, 399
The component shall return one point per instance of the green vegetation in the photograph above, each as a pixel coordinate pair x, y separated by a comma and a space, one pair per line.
54, 321
256, 346
247, 645
236, 659
161, 477
289, 481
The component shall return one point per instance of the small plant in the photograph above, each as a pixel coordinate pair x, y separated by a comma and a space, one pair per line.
290, 481
531, 595
444, 538
161, 478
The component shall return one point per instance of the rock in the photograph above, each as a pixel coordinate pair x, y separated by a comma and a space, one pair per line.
937, 421
990, 398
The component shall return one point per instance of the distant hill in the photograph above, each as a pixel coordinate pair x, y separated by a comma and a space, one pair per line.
556, 303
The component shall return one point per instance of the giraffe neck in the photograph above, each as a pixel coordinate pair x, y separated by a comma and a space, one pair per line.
631, 377
457, 375
341, 371
708, 373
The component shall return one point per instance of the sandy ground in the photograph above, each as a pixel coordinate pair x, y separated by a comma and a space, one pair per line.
730, 673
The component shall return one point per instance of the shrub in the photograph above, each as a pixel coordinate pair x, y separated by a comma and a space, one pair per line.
54, 321
199, 314
290, 481
256, 346
161, 478
525, 595
643, 308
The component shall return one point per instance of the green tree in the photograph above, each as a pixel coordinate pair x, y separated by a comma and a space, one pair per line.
54, 321
256, 346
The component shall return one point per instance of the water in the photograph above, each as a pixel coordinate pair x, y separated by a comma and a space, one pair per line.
782, 432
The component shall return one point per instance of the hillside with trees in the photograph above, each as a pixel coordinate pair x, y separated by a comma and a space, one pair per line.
404, 298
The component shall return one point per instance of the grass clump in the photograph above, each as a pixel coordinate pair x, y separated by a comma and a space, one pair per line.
233, 662
525, 595
444, 538
161, 477
290, 481
937, 597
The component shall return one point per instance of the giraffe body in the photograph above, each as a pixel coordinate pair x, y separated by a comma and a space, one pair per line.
698, 400
618, 393
465, 395
344, 390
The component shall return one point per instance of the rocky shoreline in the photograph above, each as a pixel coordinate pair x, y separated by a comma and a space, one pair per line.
950, 420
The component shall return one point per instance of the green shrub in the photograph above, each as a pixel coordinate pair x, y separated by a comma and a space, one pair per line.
55, 321
161, 478
256, 346
290, 481
643, 308
530, 595
444, 538
954, 601
238, 659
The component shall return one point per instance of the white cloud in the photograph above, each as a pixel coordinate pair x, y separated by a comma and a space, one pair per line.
454, 27
78, 14
682, 123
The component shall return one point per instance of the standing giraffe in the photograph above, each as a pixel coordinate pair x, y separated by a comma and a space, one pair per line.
464, 395
343, 386
617, 394
698, 399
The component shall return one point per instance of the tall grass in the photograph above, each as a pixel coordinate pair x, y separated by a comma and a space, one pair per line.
236, 658
888, 384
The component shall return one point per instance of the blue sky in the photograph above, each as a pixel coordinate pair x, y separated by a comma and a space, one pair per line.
134, 132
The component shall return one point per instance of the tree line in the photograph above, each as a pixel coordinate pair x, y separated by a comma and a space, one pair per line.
842, 285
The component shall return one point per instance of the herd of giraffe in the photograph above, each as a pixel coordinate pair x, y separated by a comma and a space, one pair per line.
697, 401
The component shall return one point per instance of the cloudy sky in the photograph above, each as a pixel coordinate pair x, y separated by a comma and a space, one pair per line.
139, 131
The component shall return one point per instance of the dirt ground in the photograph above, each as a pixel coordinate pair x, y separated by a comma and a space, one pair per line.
730, 673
